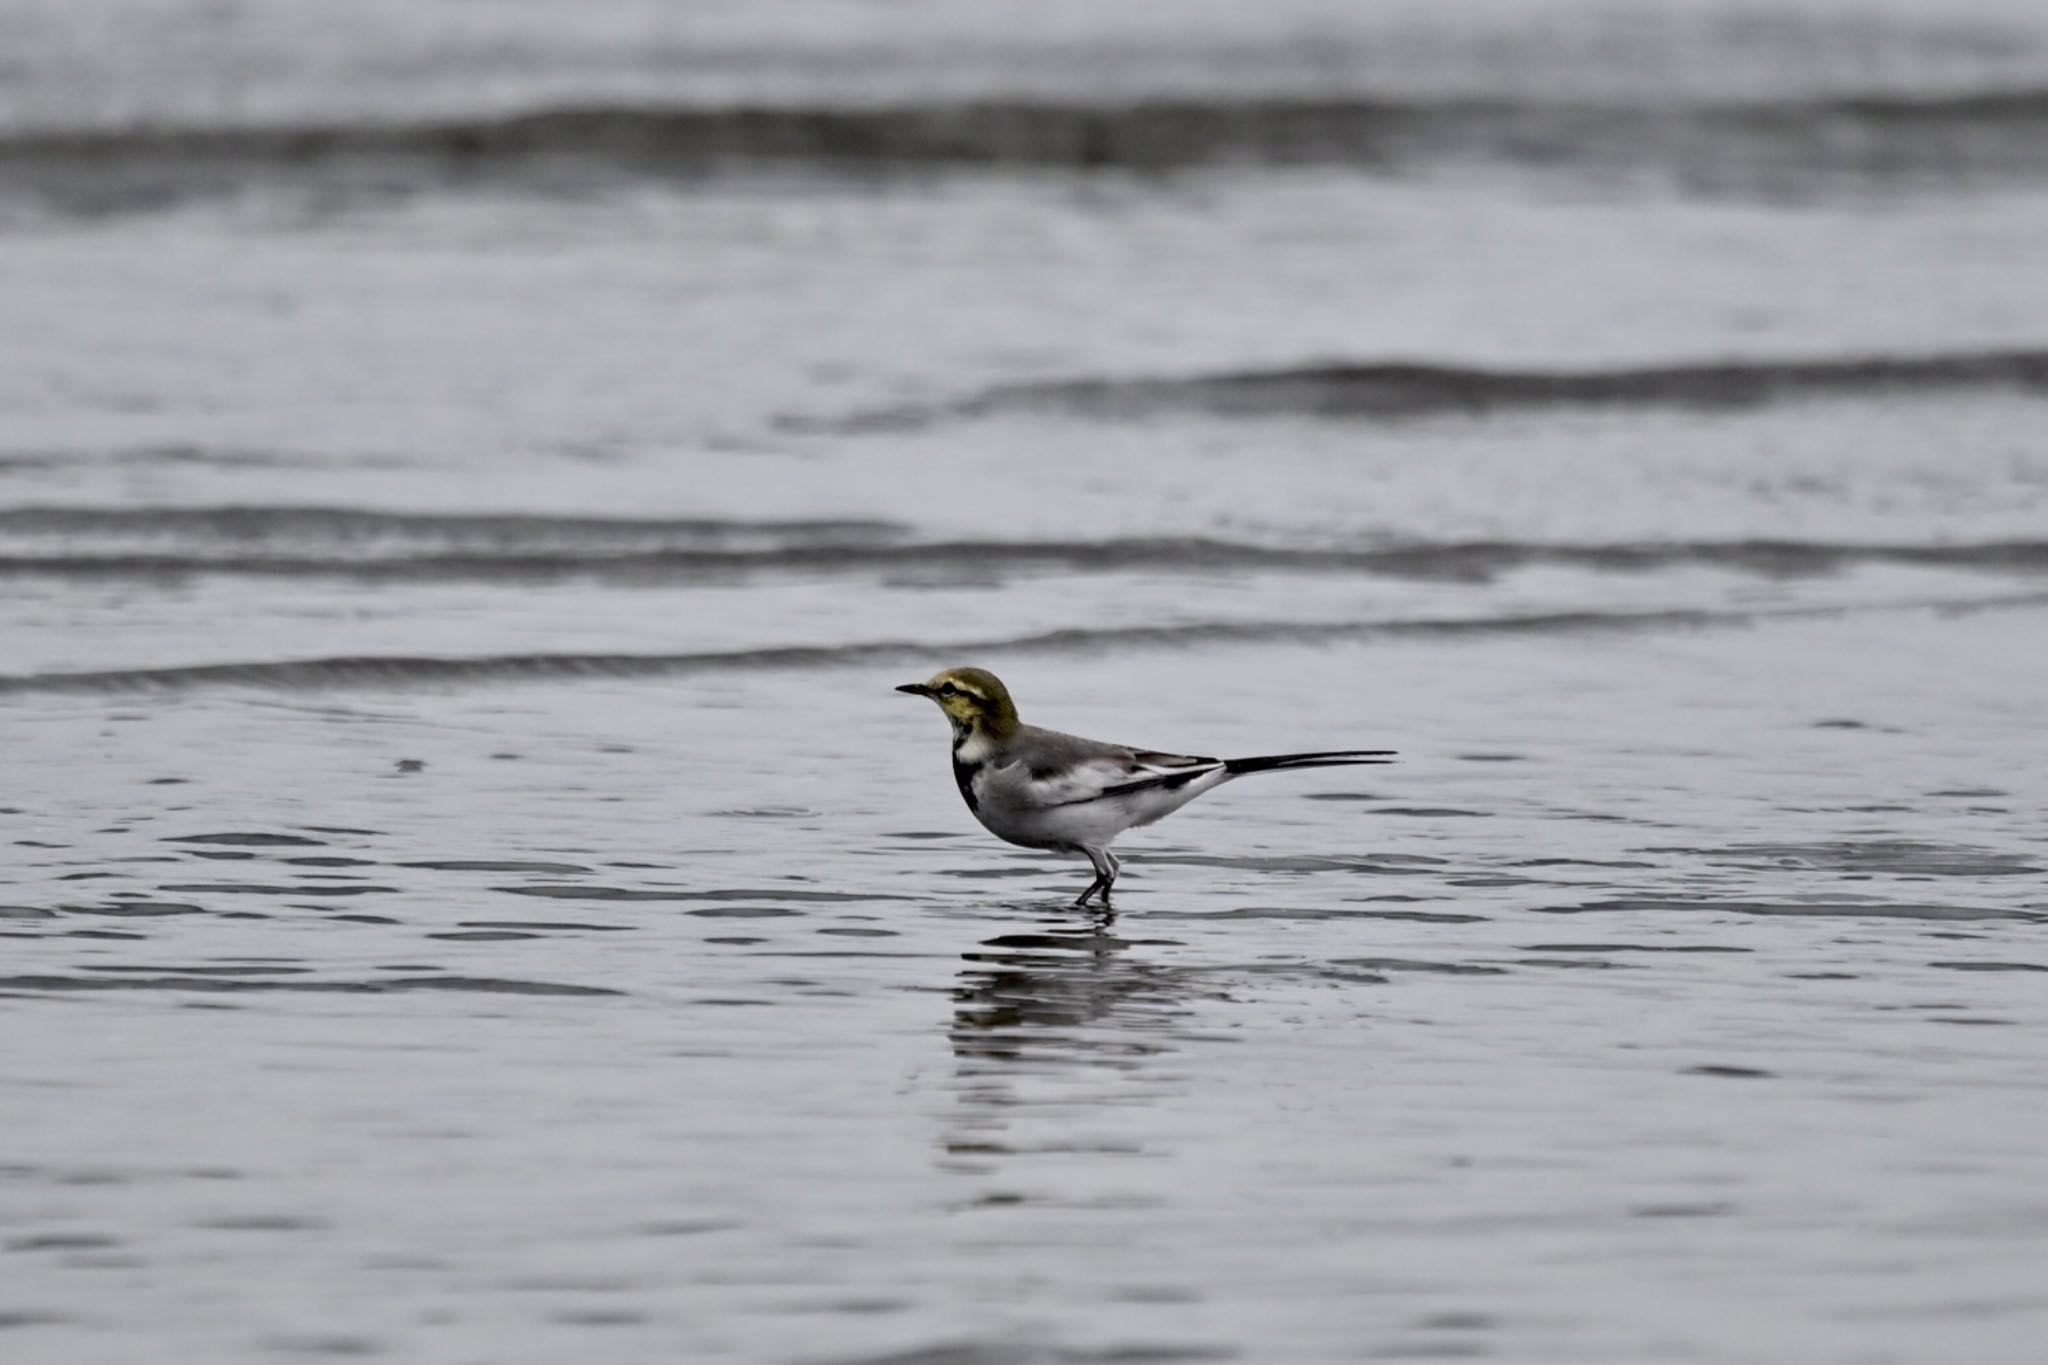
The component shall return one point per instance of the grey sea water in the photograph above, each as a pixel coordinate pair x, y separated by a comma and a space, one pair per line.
470, 477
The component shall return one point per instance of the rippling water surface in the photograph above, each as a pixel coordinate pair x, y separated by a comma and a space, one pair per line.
468, 488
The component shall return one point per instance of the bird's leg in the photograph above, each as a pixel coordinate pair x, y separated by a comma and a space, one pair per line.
1105, 875
1109, 876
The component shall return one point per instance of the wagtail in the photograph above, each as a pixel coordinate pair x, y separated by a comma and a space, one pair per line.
1042, 789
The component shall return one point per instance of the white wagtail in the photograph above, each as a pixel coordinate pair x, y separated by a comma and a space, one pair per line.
1042, 789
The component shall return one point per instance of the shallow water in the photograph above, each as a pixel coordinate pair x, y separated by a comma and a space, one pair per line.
474, 895
1669, 972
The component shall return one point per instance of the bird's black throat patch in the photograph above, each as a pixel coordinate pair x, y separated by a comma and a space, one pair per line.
964, 774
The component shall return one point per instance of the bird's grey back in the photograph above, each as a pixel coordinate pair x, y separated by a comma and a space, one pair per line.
1051, 751
1047, 751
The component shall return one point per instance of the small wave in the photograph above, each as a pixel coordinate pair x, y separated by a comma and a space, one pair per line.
1894, 857
378, 671
602, 556
1814, 908
1787, 147
171, 543
294, 525
174, 980
155, 542
1392, 390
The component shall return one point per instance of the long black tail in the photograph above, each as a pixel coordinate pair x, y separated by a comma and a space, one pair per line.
1334, 758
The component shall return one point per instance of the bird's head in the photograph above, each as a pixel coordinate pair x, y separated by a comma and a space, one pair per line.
974, 699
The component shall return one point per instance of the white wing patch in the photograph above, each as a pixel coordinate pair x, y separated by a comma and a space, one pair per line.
1110, 775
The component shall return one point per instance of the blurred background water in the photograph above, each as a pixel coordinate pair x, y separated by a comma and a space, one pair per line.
470, 474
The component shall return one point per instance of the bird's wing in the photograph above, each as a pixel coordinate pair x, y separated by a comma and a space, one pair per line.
1161, 772
1051, 769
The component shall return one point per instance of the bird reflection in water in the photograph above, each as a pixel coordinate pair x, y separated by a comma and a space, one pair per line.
1061, 1017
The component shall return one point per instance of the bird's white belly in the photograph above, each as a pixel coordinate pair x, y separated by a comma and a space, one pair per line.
1060, 827
1079, 824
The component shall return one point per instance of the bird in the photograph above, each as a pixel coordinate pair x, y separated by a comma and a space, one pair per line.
1042, 789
